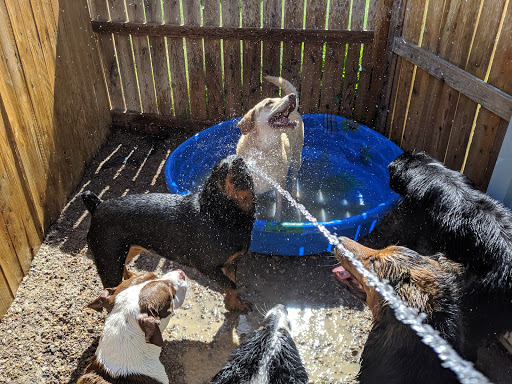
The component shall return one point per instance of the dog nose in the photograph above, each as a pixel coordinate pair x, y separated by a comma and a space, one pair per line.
181, 274
292, 97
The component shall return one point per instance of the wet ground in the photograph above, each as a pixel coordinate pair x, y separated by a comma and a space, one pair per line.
48, 335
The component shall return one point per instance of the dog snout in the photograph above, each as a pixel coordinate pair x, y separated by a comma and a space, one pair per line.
181, 274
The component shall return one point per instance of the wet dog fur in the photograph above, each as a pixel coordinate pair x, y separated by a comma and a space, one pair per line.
272, 140
139, 310
268, 356
443, 212
393, 352
207, 230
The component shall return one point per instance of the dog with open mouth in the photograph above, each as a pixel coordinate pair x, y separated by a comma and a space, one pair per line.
442, 211
393, 352
272, 140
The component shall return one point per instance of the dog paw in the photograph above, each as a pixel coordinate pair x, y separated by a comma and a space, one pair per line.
234, 303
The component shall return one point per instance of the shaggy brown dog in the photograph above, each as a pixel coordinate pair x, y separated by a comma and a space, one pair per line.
441, 211
394, 353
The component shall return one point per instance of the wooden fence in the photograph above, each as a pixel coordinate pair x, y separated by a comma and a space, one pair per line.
53, 115
450, 91
191, 63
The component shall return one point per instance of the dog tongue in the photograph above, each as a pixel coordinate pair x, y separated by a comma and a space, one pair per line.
341, 273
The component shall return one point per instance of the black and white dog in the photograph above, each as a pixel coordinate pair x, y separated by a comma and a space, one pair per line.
441, 211
269, 355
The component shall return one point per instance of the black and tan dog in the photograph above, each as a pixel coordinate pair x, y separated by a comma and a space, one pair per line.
442, 212
393, 352
206, 230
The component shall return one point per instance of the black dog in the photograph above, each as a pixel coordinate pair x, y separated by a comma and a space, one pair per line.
206, 230
268, 356
393, 352
442, 212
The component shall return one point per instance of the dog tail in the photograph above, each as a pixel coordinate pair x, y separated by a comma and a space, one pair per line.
285, 85
90, 200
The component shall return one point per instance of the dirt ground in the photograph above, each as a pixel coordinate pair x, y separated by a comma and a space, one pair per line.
48, 335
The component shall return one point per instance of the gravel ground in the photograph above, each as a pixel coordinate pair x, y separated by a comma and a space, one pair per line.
48, 335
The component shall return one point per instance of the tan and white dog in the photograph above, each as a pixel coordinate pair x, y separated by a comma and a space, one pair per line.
272, 140
130, 345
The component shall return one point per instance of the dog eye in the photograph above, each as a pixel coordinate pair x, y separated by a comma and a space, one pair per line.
268, 103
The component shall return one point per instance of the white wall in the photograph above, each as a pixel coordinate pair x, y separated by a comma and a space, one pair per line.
500, 186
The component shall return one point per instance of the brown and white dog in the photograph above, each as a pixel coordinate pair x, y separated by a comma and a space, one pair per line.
139, 310
272, 140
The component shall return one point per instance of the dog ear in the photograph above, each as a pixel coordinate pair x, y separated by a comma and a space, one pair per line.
105, 300
246, 124
150, 326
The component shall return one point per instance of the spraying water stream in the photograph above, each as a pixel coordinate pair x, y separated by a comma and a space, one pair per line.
464, 370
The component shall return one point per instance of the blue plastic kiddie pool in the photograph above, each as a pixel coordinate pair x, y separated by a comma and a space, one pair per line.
343, 182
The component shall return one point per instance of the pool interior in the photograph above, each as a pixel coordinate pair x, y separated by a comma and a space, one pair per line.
343, 172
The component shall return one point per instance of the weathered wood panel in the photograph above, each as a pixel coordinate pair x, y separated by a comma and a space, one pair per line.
489, 130
251, 39
312, 59
177, 66
232, 60
142, 56
348, 97
159, 60
251, 57
123, 47
332, 79
213, 64
447, 107
194, 46
271, 49
54, 114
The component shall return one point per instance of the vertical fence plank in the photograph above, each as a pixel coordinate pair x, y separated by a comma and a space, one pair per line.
141, 53
15, 103
251, 17
414, 136
6, 296
15, 201
159, 59
125, 58
99, 12
212, 58
192, 16
364, 108
334, 59
9, 263
434, 105
412, 31
232, 60
477, 65
348, 97
383, 9
391, 68
180, 95
271, 49
312, 60
292, 52
490, 130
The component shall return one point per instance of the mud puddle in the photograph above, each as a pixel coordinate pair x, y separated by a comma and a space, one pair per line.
328, 325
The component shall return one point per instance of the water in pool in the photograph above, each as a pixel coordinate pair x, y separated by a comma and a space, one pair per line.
327, 199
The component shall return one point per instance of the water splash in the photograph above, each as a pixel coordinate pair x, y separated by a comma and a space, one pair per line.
464, 369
